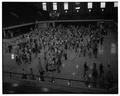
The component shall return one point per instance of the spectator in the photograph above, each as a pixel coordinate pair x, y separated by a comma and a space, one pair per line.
31, 74
24, 76
94, 74
109, 77
41, 71
101, 70
86, 68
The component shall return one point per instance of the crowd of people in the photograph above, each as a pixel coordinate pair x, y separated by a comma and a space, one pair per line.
54, 43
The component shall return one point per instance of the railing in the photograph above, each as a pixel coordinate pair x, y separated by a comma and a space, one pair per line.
53, 21
70, 82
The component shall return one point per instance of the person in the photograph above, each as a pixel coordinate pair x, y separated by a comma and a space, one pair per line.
65, 55
66, 46
16, 59
101, 81
89, 52
101, 40
84, 51
30, 57
10, 75
24, 76
31, 74
86, 68
109, 77
95, 50
59, 63
41, 75
41, 71
46, 66
101, 70
10, 48
94, 74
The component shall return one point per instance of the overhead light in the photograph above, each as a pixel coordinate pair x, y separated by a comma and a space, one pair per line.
115, 4
54, 6
89, 5
44, 6
65, 5
102, 4
77, 10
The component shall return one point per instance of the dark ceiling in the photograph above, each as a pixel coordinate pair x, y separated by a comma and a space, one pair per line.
14, 13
